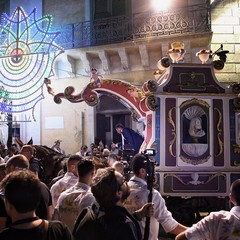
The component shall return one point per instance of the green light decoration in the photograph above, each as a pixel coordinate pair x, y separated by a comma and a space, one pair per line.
27, 53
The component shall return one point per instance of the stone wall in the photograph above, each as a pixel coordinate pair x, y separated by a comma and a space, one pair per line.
226, 31
66, 12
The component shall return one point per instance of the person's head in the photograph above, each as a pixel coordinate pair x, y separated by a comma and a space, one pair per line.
106, 152
17, 162
101, 144
27, 151
15, 147
109, 188
85, 171
72, 164
119, 167
96, 151
2, 171
22, 191
139, 165
93, 145
112, 158
113, 146
11, 151
94, 70
84, 148
119, 127
235, 192
57, 143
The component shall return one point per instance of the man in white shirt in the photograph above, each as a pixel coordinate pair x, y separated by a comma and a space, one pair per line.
139, 196
218, 225
72, 201
70, 178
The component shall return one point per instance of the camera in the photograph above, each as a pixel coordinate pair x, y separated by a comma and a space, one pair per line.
150, 152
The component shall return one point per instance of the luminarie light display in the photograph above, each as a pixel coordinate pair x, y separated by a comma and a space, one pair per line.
27, 53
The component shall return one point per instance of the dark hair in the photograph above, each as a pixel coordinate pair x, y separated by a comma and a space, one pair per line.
138, 162
22, 189
119, 125
85, 167
84, 147
18, 161
73, 159
235, 191
105, 187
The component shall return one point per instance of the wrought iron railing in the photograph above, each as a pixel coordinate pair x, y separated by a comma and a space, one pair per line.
193, 19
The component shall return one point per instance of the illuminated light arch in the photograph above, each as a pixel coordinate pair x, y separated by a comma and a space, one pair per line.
27, 53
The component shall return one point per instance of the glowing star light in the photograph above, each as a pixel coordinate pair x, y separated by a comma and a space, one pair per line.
27, 52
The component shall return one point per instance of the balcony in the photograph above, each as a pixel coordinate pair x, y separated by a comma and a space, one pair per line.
139, 26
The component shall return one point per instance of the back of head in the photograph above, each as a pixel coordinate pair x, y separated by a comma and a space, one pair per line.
18, 161
22, 189
85, 167
119, 167
112, 157
105, 187
27, 148
74, 159
235, 191
138, 162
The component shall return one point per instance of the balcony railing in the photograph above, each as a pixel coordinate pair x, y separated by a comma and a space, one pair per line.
193, 19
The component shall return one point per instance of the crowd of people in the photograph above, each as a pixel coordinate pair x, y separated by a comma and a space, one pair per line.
90, 201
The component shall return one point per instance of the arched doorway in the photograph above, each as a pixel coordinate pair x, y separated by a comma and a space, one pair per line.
109, 112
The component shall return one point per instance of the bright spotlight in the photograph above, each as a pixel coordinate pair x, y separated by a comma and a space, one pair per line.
161, 5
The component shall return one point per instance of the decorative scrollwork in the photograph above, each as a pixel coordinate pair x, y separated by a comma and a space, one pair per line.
218, 64
152, 102
57, 98
134, 115
170, 120
195, 101
220, 142
152, 86
165, 62
171, 144
210, 178
91, 98
236, 150
194, 162
235, 88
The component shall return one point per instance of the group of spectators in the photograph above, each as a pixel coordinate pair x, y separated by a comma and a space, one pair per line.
29, 209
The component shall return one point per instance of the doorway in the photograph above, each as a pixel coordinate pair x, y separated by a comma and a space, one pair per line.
109, 112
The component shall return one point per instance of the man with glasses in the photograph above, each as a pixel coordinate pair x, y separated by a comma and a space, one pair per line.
110, 191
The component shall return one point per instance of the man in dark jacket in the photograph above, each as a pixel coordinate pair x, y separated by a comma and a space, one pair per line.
22, 190
130, 138
15, 163
113, 222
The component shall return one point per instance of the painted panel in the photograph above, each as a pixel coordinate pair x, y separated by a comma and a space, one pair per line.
195, 183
